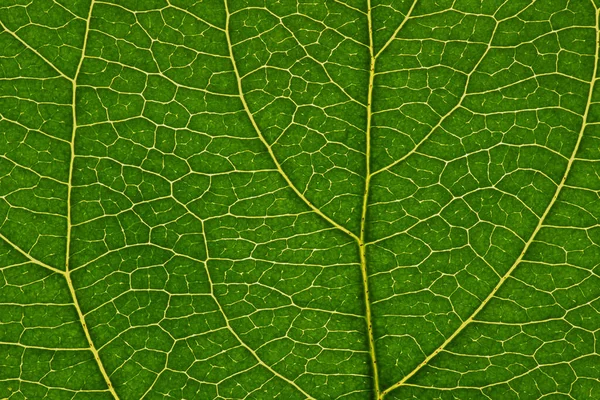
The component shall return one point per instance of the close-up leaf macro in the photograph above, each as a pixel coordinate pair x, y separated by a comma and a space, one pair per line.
300, 199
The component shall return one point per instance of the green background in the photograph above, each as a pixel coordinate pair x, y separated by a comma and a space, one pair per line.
280, 199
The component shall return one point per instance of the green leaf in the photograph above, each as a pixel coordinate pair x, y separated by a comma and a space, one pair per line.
324, 199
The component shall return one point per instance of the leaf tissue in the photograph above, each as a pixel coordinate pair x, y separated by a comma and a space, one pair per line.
299, 199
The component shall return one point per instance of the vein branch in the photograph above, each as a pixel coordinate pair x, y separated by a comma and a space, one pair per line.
30, 257
391, 39
27, 46
266, 144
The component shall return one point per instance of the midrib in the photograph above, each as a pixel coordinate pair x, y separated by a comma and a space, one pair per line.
363, 218
67, 273
362, 245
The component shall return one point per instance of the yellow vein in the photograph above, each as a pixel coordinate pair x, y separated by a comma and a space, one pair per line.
29, 346
69, 224
264, 141
391, 39
361, 240
191, 14
27, 46
363, 218
350, 7
531, 239
30, 258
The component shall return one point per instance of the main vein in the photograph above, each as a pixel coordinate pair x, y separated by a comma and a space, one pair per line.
363, 218
362, 245
533, 235
69, 223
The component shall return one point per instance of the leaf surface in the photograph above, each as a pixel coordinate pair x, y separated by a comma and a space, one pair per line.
328, 199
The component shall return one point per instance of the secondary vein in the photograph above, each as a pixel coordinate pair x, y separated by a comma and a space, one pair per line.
30, 257
266, 144
27, 46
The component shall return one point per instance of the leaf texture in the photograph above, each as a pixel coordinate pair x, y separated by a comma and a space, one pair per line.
303, 199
